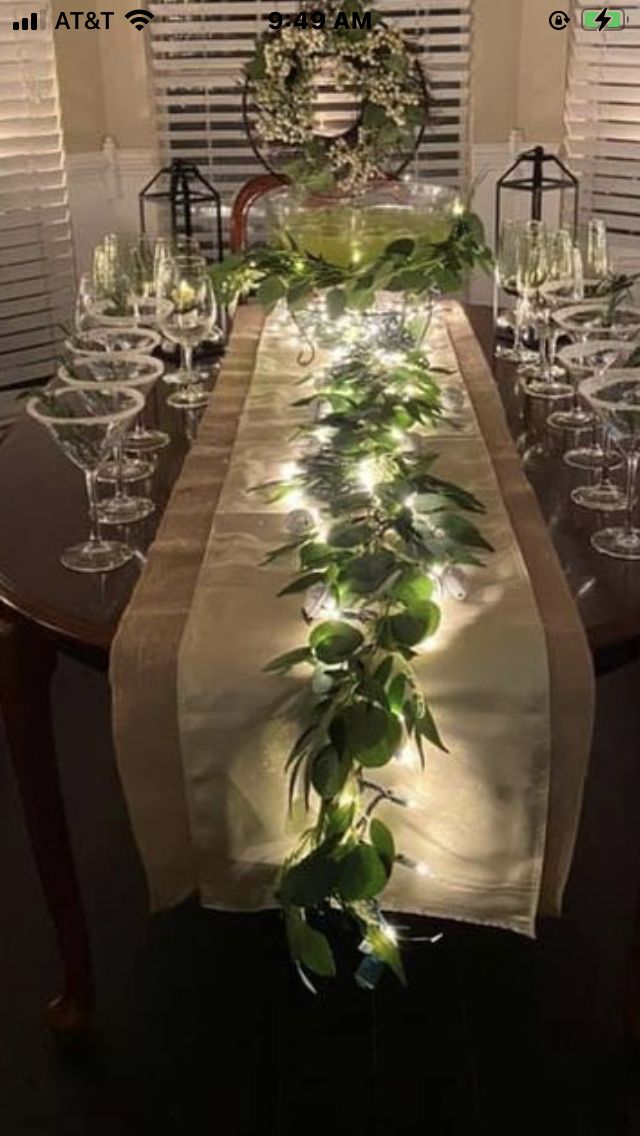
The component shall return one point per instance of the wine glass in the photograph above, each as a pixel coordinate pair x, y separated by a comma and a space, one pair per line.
186, 315
85, 421
616, 398
83, 318
104, 265
121, 368
506, 277
140, 268
544, 264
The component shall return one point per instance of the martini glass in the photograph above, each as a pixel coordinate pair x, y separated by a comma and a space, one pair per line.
585, 360
117, 368
133, 341
580, 361
85, 421
616, 398
594, 320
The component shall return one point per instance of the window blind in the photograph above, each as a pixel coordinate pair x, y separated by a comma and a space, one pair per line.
603, 125
198, 48
36, 263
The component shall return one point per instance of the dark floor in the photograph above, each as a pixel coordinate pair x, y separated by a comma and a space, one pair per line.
202, 1027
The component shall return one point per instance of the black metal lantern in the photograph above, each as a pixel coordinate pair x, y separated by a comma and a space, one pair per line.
537, 173
191, 199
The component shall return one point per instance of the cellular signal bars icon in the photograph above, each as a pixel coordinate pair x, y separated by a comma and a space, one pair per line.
30, 23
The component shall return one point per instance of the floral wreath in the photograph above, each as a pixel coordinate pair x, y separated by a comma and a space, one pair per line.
376, 64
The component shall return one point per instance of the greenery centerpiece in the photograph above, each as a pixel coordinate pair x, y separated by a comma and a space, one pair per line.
374, 534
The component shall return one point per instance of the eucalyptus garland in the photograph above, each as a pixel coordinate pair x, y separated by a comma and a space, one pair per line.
414, 267
374, 531
376, 65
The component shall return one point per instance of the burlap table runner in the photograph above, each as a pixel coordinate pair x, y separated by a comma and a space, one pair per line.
167, 814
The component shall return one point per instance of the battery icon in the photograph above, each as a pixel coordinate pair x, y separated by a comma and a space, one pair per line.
603, 19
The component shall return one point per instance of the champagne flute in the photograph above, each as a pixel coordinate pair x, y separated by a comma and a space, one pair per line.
597, 264
85, 421
186, 314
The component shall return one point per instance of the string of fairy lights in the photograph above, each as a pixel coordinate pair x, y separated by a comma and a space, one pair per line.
375, 533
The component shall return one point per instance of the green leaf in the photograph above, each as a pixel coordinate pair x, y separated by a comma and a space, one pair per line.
367, 573
367, 733
373, 116
407, 628
309, 882
270, 291
255, 66
349, 535
301, 583
288, 660
425, 727
382, 674
338, 819
336, 301
308, 946
361, 874
384, 948
413, 589
383, 842
463, 531
283, 550
334, 641
362, 300
410, 280
402, 247
320, 180
329, 772
316, 553
397, 692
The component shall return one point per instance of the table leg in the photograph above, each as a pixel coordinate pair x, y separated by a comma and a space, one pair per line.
27, 664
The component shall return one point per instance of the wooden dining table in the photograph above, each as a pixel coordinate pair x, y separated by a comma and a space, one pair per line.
45, 610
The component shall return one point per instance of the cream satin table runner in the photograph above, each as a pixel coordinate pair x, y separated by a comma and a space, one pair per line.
201, 732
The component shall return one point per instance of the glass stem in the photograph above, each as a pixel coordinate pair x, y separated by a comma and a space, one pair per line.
118, 458
606, 456
91, 478
186, 357
632, 471
554, 335
518, 321
544, 362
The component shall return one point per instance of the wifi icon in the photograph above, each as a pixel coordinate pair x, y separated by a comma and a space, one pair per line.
139, 17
